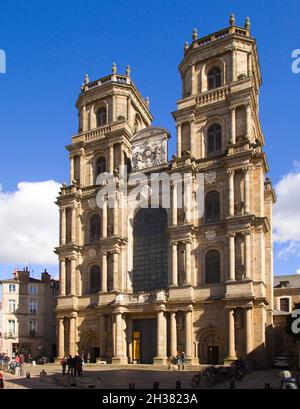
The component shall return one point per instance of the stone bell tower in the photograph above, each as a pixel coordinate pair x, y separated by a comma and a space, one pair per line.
110, 111
219, 133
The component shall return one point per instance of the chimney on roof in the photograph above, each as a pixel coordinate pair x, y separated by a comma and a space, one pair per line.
23, 275
46, 277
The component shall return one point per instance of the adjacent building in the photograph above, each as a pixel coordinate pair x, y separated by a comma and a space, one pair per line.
286, 299
27, 314
140, 284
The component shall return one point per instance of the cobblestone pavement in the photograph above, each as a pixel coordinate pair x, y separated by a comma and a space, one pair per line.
119, 378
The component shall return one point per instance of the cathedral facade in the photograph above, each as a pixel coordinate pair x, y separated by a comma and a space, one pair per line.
141, 281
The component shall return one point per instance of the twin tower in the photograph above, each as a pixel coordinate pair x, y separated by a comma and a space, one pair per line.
139, 285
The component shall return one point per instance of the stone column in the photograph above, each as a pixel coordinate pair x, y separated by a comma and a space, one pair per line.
72, 336
248, 121
161, 358
189, 334
63, 226
233, 125
116, 216
104, 273
71, 169
115, 271
119, 357
231, 335
178, 140
61, 337
173, 334
62, 278
247, 238
231, 244
82, 168
174, 281
193, 77
230, 173
104, 220
73, 276
247, 189
129, 334
192, 138
121, 159
73, 221
174, 203
102, 337
114, 107
111, 158
84, 118
248, 330
188, 274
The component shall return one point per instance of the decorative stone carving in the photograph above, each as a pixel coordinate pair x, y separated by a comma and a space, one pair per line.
210, 235
92, 253
210, 177
92, 203
149, 148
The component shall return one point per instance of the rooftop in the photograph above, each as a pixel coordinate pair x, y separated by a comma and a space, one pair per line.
287, 281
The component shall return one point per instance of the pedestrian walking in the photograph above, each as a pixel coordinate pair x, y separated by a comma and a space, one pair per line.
183, 359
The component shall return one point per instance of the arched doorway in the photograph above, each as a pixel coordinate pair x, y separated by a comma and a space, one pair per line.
211, 347
89, 345
150, 250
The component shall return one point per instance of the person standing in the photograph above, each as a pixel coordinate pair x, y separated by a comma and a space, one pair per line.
63, 363
183, 359
70, 365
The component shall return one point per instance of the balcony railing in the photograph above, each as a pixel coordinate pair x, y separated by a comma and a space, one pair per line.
92, 135
10, 335
215, 95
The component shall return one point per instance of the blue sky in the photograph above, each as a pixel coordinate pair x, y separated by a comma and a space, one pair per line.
50, 45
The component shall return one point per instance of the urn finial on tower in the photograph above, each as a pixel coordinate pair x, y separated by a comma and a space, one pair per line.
195, 34
186, 46
147, 100
232, 19
247, 23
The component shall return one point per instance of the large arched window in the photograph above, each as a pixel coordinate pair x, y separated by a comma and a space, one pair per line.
212, 267
95, 223
214, 139
101, 117
100, 166
95, 279
150, 250
212, 207
214, 78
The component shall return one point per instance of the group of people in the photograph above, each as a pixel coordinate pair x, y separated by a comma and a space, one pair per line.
179, 360
72, 365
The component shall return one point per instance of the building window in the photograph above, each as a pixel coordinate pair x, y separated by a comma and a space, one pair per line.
33, 290
95, 223
212, 267
33, 307
95, 279
214, 78
11, 328
100, 166
101, 117
12, 306
285, 304
212, 207
150, 250
214, 139
12, 288
32, 328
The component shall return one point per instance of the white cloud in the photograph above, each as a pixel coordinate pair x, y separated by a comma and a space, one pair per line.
29, 223
286, 218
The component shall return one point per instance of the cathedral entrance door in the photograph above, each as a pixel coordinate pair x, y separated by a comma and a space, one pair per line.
213, 355
147, 330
